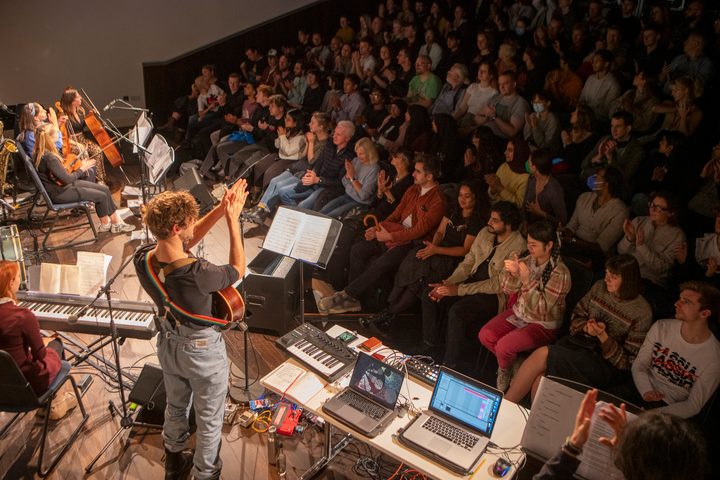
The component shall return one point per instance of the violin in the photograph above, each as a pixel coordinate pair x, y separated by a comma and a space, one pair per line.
71, 161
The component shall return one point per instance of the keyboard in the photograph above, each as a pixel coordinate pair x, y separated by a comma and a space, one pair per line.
327, 356
372, 410
449, 431
132, 319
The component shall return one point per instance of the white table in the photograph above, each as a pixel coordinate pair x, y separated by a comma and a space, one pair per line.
508, 431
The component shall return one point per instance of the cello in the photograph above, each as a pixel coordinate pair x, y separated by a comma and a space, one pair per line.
102, 137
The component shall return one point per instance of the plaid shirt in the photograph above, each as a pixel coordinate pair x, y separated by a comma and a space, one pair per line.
545, 307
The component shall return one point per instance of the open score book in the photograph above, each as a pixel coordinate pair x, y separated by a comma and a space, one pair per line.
298, 235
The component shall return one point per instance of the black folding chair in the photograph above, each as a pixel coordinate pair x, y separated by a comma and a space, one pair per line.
17, 396
57, 208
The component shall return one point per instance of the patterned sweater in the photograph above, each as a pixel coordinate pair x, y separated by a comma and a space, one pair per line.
626, 323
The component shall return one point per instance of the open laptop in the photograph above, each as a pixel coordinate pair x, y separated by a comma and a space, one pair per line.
369, 401
456, 429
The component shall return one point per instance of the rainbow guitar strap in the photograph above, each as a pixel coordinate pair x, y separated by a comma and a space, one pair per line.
170, 305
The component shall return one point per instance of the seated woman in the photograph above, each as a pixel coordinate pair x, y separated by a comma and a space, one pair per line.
360, 181
414, 133
64, 187
539, 281
510, 181
652, 240
505, 61
32, 116
71, 105
208, 105
316, 139
431, 262
681, 113
564, 84
390, 127
608, 326
543, 196
542, 127
291, 146
579, 139
659, 171
477, 96
20, 334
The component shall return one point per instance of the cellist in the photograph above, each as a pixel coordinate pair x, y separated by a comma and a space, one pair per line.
32, 116
70, 102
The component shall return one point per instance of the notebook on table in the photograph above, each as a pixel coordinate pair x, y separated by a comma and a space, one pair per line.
457, 427
367, 404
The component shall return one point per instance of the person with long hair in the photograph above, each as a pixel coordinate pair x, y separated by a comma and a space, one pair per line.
640, 102
390, 128
360, 180
579, 139
681, 113
448, 148
20, 334
608, 326
477, 96
32, 116
71, 105
430, 262
543, 195
291, 146
414, 133
510, 180
64, 187
537, 281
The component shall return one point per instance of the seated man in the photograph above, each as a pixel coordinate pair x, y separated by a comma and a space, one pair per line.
350, 104
692, 61
601, 88
505, 114
425, 87
419, 213
597, 222
619, 149
539, 280
678, 366
707, 257
452, 94
473, 292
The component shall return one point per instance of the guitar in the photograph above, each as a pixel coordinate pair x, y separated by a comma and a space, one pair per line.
229, 305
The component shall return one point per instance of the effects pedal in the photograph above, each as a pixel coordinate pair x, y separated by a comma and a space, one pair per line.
425, 372
281, 413
291, 421
246, 419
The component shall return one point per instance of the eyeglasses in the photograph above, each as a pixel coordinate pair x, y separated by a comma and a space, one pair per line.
655, 206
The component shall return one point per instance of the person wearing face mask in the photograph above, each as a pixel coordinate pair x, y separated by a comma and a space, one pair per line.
520, 9
597, 222
542, 127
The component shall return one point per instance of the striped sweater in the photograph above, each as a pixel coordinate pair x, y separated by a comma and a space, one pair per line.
626, 323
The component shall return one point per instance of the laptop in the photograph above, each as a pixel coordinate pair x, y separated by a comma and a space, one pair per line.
459, 423
367, 404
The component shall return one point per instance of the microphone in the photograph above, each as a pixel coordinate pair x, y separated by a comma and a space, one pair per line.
109, 105
4, 107
73, 319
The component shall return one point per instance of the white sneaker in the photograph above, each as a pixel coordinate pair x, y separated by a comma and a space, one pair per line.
122, 228
503, 379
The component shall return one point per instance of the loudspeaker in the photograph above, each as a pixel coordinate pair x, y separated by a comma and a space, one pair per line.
149, 392
193, 183
272, 292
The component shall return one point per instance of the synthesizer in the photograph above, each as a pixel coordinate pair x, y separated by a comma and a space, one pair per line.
132, 319
327, 356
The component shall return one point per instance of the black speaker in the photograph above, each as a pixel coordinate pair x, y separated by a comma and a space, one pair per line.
149, 392
193, 183
272, 292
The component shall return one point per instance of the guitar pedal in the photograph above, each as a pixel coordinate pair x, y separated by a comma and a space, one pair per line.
291, 421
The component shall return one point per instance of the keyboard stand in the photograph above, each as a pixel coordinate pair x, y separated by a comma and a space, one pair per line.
329, 451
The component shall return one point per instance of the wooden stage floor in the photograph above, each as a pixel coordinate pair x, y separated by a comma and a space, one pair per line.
138, 454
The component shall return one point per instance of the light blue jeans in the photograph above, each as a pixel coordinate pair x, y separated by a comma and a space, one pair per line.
288, 195
270, 198
195, 369
336, 207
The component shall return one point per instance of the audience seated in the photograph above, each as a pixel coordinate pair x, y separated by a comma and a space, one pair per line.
579, 140
543, 195
351, 103
608, 327
692, 61
677, 368
452, 92
477, 96
537, 282
542, 127
510, 180
472, 294
424, 87
601, 88
419, 213
505, 113
640, 102
707, 257
681, 113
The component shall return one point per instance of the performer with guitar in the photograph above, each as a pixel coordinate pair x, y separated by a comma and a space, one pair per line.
190, 346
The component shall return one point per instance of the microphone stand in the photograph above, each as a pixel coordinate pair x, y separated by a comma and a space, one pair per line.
126, 420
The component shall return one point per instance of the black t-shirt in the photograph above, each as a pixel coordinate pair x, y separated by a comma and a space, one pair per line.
190, 286
483, 271
374, 117
459, 227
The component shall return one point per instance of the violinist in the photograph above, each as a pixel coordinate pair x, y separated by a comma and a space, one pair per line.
70, 102
64, 187
32, 116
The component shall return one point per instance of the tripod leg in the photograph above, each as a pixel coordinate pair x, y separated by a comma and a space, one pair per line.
117, 434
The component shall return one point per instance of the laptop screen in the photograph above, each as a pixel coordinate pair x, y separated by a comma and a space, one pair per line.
466, 401
377, 380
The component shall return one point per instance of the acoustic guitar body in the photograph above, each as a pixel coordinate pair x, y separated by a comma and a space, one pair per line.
229, 305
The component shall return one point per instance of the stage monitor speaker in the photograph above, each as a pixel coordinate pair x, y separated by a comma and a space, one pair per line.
272, 291
193, 183
149, 392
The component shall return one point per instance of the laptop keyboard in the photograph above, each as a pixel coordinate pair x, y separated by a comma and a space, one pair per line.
454, 434
367, 407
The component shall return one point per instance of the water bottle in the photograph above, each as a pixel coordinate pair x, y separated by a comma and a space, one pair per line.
272, 445
281, 461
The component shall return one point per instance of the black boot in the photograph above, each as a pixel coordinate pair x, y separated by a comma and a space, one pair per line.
257, 216
178, 464
380, 322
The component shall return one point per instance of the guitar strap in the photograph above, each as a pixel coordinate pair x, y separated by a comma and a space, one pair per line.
152, 266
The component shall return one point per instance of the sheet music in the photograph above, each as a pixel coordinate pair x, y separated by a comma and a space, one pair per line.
141, 131
94, 271
283, 231
159, 158
596, 459
56, 278
309, 243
